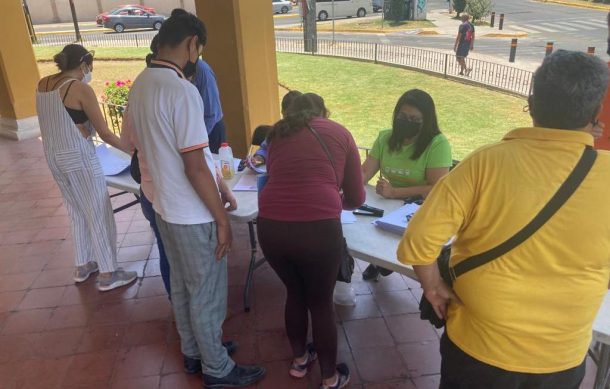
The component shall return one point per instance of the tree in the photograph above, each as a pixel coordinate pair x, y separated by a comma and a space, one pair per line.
479, 9
459, 6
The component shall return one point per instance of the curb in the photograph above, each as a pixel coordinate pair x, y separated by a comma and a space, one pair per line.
576, 5
44, 33
501, 35
353, 31
285, 16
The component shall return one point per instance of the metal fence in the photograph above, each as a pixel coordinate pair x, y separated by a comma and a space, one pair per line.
502, 77
101, 39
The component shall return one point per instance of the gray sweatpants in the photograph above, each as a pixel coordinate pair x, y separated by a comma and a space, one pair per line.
199, 293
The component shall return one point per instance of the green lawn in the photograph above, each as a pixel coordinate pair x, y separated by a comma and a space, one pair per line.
362, 95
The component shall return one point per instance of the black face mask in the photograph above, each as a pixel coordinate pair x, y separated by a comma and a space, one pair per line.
405, 128
608, 49
190, 68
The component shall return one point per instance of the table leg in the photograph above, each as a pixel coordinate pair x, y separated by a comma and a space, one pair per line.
254, 264
602, 378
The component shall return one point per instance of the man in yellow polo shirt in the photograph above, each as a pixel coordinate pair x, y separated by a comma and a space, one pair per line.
523, 320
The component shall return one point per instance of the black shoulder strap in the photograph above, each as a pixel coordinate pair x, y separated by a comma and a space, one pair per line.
328, 154
561, 196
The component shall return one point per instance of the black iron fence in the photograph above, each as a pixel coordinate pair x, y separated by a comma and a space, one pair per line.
141, 39
490, 74
502, 77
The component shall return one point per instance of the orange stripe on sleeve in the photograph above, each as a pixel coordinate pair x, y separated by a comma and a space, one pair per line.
199, 146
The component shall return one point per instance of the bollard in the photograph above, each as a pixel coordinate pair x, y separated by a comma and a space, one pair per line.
513, 51
501, 25
493, 19
549, 48
591, 50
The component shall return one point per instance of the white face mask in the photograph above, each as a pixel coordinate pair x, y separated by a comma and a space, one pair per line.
87, 76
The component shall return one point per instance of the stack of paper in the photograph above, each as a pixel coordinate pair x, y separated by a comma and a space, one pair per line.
348, 217
398, 220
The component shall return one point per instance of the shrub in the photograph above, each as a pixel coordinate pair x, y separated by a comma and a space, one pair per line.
478, 9
459, 6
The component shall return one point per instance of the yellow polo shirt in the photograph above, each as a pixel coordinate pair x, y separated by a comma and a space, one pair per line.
532, 309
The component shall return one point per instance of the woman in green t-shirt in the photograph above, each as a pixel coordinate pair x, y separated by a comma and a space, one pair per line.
411, 157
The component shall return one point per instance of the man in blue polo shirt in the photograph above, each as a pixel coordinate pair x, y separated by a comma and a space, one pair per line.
205, 81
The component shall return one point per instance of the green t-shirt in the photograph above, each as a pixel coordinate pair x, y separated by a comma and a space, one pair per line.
400, 169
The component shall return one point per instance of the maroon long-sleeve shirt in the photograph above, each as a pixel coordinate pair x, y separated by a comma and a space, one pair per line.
302, 185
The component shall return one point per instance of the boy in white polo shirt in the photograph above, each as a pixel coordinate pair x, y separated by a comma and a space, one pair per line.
166, 110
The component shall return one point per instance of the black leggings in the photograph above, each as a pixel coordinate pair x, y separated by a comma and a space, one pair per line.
306, 257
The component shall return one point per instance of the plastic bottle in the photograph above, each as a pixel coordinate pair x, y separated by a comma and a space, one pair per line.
226, 161
344, 294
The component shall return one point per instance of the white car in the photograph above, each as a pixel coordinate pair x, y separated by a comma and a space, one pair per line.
342, 9
281, 6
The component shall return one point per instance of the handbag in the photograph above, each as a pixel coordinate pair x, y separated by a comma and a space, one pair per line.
451, 273
346, 266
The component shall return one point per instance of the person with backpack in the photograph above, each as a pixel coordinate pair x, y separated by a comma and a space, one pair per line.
464, 42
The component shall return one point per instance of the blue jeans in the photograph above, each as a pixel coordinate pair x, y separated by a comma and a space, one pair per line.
199, 293
149, 214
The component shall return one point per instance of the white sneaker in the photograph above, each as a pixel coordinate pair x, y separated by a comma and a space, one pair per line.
119, 278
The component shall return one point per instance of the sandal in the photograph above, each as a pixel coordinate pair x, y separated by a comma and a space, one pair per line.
299, 370
342, 378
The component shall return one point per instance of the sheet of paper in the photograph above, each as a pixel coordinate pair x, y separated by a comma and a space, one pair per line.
398, 220
247, 183
347, 217
112, 164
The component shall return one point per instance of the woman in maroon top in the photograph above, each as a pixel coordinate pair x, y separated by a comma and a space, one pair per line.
299, 226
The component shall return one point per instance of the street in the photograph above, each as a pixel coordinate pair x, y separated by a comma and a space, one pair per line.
567, 27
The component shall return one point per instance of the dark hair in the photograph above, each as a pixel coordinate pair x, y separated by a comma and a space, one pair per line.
154, 48
569, 87
72, 56
423, 102
299, 114
179, 26
288, 99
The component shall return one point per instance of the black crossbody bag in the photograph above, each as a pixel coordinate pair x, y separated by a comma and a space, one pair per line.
346, 268
451, 273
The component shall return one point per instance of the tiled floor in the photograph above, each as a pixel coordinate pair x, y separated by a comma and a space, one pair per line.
54, 334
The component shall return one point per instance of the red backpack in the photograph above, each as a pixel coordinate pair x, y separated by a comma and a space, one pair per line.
469, 33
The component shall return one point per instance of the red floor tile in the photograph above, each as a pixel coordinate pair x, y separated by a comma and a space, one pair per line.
114, 312
274, 346
102, 337
172, 362
10, 300
151, 308
70, 316
13, 282
45, 373
16, 348
90, 370
396, 303
42, 298
140, 361
51, 278
181, 381
277, 377
22, 322
366, 307
149, 332
427, 382
422, 358
403, 384
58, 343
152, 287
137, 383
146, 238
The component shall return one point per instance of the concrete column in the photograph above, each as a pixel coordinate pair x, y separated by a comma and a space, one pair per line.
241, 50
18, 75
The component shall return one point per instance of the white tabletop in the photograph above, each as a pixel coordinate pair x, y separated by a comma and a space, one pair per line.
601, 326
372, 244
247, 202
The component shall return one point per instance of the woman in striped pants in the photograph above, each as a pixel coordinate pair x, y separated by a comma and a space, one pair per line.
69, 114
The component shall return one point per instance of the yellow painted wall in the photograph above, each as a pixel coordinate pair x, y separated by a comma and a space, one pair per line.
241, 51
18, 69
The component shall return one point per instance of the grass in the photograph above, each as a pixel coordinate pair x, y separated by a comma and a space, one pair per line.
46, 53
362, 95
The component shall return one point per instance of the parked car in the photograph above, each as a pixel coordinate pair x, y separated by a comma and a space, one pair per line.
343, 8
133, 18
377, 5
281, 6
122, 10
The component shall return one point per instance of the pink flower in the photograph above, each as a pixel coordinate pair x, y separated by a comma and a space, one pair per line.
107, 83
